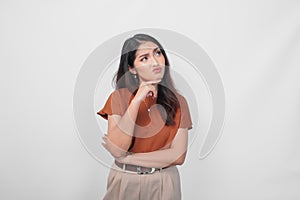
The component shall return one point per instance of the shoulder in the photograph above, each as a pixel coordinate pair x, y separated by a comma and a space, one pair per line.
183, 107
116, 103
185, 117
182, 100
121, 93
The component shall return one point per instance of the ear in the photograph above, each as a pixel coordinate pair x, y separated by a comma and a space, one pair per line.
132, 69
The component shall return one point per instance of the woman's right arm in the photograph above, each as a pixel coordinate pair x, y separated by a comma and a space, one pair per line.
121, 128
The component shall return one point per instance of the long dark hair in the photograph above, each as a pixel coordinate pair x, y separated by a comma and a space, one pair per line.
166, 94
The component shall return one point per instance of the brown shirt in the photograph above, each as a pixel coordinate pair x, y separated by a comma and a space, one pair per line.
150, 132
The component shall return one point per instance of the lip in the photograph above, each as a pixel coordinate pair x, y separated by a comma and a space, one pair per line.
156, 69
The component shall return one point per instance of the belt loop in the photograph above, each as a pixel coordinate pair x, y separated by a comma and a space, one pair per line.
124, 166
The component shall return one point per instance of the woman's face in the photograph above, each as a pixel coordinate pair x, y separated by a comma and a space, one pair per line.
149, 62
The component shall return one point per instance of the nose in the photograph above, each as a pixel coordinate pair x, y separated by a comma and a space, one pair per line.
154, 61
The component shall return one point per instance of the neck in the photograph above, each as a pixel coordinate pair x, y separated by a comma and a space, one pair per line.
155, 86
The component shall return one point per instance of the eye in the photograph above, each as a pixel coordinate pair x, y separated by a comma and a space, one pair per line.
144, 59
158, 52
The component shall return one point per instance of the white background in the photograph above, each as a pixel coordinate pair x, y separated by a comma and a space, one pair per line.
254, 44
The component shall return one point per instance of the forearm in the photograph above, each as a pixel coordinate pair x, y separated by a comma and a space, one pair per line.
157, 159
174, 155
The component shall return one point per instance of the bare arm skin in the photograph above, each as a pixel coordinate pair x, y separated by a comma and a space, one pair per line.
175, 155
121, 128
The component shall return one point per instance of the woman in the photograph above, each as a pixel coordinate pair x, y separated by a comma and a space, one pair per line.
148, 122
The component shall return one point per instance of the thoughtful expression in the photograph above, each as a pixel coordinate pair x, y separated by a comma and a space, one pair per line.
149, 62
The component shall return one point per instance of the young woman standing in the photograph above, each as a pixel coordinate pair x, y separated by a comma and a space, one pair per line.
148, 123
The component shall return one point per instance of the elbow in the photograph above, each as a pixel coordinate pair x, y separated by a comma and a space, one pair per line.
119, 138
115, 148
119, 154
180, 160
119, 141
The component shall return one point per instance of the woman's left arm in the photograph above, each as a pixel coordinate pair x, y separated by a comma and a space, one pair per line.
175, 155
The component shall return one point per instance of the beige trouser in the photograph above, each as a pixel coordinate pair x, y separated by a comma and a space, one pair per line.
127, 185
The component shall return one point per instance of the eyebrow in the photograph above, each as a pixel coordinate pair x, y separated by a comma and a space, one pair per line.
145, 54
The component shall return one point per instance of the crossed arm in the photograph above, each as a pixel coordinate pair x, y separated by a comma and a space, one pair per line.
174, 155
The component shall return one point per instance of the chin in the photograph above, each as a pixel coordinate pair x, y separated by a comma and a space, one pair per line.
157, 78
154, 78
160, 76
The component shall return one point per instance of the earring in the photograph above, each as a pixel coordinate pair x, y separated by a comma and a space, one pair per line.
134, 76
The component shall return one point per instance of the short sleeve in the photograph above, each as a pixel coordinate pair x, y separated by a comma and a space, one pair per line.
185, 116
114, 105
